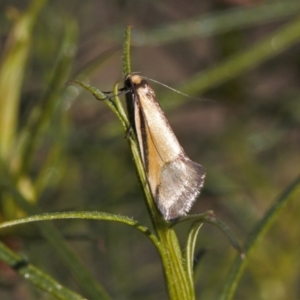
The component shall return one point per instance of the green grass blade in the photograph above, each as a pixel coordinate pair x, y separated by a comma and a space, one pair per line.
41, 116
55, 239
36, 276
217, 23
292, 192
84, 215
210, 218
269, 47
190, 248
12, 70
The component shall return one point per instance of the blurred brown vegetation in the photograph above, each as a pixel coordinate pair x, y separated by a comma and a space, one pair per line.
247, 136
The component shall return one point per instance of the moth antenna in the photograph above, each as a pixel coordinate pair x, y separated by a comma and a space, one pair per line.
176, 91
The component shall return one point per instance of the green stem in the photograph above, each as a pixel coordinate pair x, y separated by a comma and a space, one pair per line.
126, 52
179, 284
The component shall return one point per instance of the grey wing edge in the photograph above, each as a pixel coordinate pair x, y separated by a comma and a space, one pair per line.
181, 182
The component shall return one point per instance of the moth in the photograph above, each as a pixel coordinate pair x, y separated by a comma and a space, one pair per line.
175, 181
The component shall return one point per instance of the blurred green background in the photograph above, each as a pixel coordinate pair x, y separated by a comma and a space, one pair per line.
66, 151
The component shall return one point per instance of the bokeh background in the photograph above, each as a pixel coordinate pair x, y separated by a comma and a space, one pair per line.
240, 57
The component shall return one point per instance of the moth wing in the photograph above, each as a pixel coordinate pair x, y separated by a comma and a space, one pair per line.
181, 181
